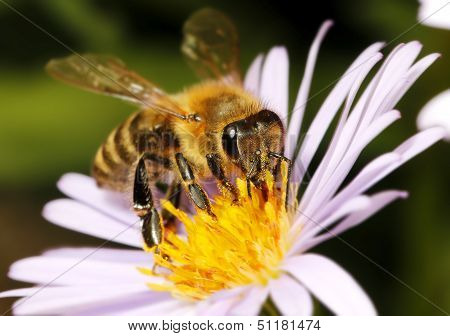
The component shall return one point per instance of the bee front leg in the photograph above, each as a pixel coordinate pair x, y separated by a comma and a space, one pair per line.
152, 230
194, 190
289, 163
215, 166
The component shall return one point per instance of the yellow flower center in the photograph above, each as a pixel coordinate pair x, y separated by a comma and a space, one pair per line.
244, 245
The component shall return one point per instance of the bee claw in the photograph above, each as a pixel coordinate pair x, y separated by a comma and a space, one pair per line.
213, 216
165, 257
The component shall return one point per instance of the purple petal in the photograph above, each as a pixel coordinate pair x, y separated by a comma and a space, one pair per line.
377, 202
290, 297
82, 218
154, 304
71, 300
274, 82
252, 80
302, 95
217, 308
252, 302
332, 178
341, 139
306, 227
116, 255
75, 271
221, 302
406, 81
383, 165
331, 284
141, 303
311, 225
370, 116
436, 113
330, 107
84, 189
434, 13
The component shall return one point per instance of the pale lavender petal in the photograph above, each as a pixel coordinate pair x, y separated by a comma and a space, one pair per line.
436, 113
434, 13
305, 227
83, 188
331, 105
217, 308
331, 284
311, 225
302, 95
347, 129
274, 82
221, 302
384, 91
82, 218
290, 297
229, 293
71, 300
377, 202
253, 77
380, 167
394, 69
252, 302
128, 256
406, 82
167, 306
365, 177
340, 140
19, 292
132, 304
418, 143
332, 179
75, 271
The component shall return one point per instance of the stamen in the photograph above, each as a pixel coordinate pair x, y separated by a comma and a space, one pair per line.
244, 245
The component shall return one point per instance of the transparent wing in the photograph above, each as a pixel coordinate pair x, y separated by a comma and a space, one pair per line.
211, 45
109, 75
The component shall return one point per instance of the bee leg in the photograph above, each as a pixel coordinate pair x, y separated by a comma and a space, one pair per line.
173, 194
152, 230
249, 187
194, 190
215, 166
289, 163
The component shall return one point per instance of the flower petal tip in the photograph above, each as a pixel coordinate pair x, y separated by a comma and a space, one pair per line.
403, 194
434, 13
436, 113
328, 23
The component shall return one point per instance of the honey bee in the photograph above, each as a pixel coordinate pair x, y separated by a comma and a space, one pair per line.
205, 131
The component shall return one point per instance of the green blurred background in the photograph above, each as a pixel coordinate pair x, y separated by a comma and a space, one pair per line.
47, 128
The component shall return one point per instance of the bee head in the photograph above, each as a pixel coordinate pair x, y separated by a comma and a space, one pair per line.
248, 142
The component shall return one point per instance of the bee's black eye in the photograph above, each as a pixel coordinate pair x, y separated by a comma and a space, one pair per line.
229, 141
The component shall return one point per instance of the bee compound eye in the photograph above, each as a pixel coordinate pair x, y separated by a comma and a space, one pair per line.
229, 141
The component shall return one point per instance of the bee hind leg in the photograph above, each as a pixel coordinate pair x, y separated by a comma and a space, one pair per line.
150, 221
173, 194
193, 189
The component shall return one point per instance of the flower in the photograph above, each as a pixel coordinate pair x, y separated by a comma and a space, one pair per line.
436, 113
434, 13
222, 253
270, 257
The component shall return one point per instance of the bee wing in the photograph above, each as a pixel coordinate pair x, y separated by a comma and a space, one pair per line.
211, 45
108, 75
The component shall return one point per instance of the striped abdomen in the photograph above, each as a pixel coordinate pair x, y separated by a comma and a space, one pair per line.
115, 160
